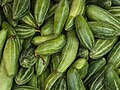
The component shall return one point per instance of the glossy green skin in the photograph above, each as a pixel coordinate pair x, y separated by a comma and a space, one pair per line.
84, 32
103, 30
11, 33
24, 75
25, 31
69, 51
29, 19
10, 56
37, 40
52, 46
83, 53
28, 58
81, 65
56, 58
60, 16
47, 29
3, 36
7, 9
114, 55
51, 79
94, 67
4, 2
116, 2
51, 11
102, 47
20, 8
74, 81
40, 11
26, 88
8, 81
42, 64
112, 80
105, 16
77, 7
41, 79
33, 81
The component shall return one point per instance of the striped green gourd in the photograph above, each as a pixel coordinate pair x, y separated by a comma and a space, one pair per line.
102, 47
115, 10
47, 28
104, 15
7, 9
25, 31
77, 7
103, 30
69, 51
114, 55
10, 56
51, 11
20, 8
24, 75
33, 81
94, 67
60, 17
28, 58
63, 85
51, 79
84, 32
74, 81
81, 65
117, 70
116, 2
42, 64
51, 46
41, 79
29, 19
112, 80
40, 10
3, 36
37, 40
56, 58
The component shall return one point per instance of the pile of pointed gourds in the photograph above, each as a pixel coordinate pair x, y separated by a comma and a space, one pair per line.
59, 45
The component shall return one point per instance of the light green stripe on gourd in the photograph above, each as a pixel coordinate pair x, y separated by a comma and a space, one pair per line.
26, 88
69, 51
104, 15
51, 46
29, 19
84, 32
3, 36
102, 47
20, 8
60, 16
4, 2
33, 81
77, 8
114, 55
40, 10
